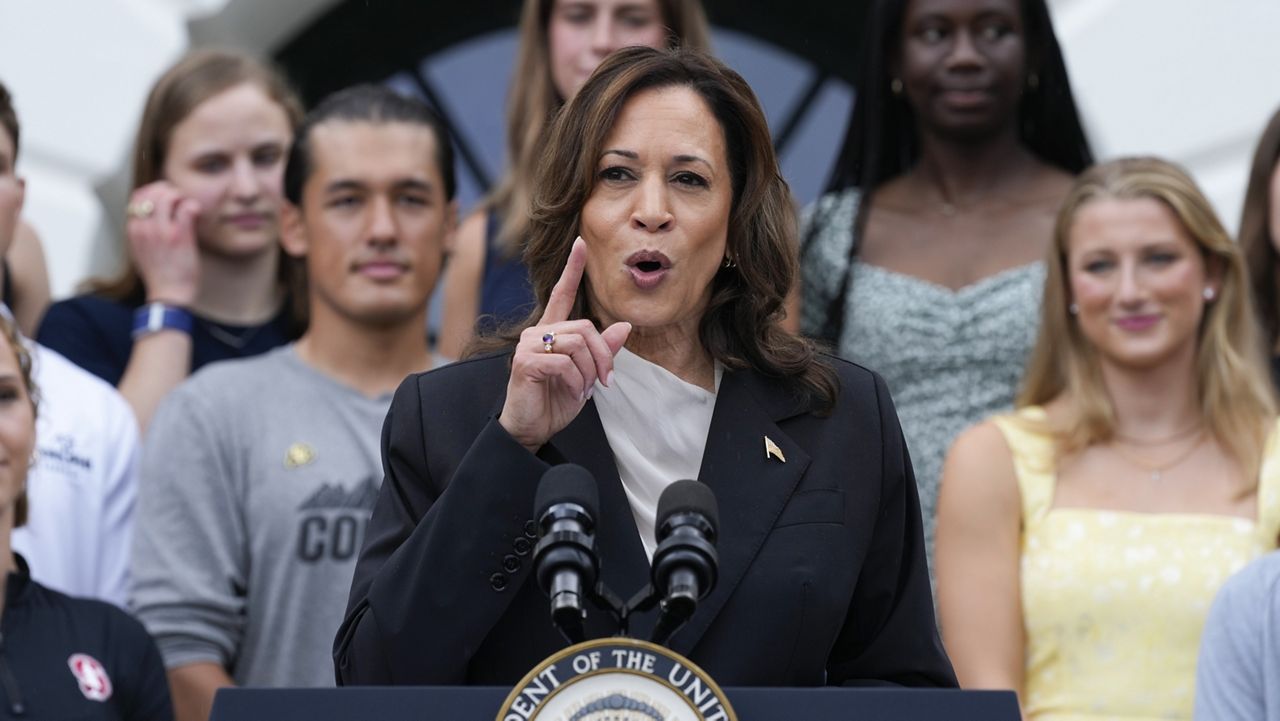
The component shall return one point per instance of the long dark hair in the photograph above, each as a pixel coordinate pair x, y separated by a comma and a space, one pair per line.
1255, 232
881, 140
741, 326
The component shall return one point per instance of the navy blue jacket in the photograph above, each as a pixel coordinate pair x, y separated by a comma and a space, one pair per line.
822, 567
75, 658
96, 333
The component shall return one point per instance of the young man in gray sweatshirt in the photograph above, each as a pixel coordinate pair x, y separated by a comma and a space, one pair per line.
259, 475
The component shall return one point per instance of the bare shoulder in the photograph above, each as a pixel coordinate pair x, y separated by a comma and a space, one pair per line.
29, 272
980, 443
463, 277
1052, 183
893, 192
26, 239
980, 465
469, 249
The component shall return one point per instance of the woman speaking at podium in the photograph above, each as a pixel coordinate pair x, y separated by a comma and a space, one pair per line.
655, 354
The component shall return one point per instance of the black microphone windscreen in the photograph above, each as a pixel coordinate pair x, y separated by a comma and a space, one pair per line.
689, 497
567, 483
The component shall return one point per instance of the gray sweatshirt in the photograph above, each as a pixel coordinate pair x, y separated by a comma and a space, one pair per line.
257, 481
1238, 674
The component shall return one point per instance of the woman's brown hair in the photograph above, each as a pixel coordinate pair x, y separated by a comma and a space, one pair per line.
533, 100
195, 78
1256, 239
740, 327
1234, 393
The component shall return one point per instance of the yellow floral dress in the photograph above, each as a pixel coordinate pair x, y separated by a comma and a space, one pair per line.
1114, 602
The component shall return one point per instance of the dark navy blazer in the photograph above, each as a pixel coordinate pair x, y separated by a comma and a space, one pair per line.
823, 577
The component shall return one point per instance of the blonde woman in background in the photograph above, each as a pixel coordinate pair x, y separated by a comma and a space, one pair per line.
1082, 537
64, 657
561, 43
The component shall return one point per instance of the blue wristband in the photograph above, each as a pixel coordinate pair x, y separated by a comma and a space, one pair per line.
154, 317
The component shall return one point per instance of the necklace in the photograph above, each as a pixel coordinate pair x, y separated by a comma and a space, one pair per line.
1175, 436
229, 339
1157, 470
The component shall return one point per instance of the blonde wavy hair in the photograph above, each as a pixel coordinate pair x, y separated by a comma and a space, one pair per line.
1235, 393
533, 100
9, 331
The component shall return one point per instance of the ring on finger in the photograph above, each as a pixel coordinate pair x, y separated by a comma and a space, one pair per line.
548, 341
140, 208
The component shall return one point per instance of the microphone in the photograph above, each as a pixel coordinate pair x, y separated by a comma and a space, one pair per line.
565, 559
685, 562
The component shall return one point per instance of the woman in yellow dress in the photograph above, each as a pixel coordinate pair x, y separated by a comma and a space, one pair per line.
1081, 538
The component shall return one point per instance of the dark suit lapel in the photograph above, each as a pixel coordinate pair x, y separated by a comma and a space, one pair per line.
624, 567
751, 489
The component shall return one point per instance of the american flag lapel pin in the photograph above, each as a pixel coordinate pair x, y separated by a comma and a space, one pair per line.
771, 450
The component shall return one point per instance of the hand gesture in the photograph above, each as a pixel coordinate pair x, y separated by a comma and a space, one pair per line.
162, 239
557, 362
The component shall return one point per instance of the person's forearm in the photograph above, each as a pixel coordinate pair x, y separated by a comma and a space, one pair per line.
193, 687
159, 362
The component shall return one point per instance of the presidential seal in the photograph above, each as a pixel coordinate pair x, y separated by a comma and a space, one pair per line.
616, 679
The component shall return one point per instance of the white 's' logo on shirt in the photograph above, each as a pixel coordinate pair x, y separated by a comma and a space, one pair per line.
94, 682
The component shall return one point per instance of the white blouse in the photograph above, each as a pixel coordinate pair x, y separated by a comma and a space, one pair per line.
657, 426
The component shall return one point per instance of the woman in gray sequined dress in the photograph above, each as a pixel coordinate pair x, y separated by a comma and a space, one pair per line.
922, 261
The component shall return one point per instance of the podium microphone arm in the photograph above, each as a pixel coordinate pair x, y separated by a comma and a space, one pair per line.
685, 564
566, 606
565, 561
677, 607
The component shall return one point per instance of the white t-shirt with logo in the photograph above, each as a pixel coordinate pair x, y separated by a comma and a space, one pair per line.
83, 484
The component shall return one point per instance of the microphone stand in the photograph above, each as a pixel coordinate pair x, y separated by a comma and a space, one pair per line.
674, 612
608, 601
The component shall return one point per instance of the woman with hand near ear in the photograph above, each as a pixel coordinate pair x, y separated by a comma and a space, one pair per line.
206, 278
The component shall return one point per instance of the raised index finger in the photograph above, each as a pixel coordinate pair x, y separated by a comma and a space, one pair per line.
560, 303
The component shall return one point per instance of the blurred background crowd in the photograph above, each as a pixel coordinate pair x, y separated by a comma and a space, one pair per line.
1051, 227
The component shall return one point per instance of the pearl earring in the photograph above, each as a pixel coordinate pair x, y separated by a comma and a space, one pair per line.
895, 86
1073, 309
1208, 293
